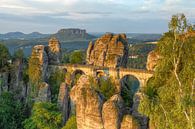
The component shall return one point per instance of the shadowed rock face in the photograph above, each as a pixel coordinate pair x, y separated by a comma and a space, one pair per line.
110, 50
64, 101
44, 94
152, 59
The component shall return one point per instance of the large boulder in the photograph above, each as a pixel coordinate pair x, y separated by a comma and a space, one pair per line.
110, 50
112, 112
88, 105
152, 59
54, 51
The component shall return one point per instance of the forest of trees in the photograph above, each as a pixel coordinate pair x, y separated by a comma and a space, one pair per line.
169, 97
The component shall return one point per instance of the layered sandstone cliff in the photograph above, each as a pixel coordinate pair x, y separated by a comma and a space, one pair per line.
94, 112
110, 50
53, 51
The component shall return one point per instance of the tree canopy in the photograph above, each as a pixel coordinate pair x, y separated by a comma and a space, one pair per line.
4, 55
169, 97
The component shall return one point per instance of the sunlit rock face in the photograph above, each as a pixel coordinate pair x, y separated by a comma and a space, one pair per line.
110, 50
129, 123
38, 53
152, 59
112, 112
93, 112
53, 51
88, 105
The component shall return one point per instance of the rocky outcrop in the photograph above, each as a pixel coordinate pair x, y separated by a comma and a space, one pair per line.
4, 82
141, 119
53, 51
44, 94
129, 123
112, 112
88, 105
39, 54
152, 59
64, 102
110, 50
12, 80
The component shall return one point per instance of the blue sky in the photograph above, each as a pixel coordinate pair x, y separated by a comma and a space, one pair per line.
48, 16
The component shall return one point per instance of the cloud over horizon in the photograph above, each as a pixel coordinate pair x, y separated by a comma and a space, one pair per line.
142, 16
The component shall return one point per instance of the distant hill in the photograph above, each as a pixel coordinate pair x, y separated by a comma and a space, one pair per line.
72, 34
22, 36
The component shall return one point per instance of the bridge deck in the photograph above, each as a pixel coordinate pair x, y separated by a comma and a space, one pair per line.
102, 68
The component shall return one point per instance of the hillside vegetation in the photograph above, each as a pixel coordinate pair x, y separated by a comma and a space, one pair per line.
169, 97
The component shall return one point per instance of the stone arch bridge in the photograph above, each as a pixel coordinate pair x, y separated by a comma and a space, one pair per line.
116, 73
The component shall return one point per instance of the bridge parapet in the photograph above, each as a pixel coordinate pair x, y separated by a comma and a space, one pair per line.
116, 73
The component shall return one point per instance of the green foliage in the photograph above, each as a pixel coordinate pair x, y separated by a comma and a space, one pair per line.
169, 95
34, 70
71, 123
11, 112
19, 54
44, 116
77, 57
55, 80
105, 86
4, 55
34, 75
66, 58
142, 51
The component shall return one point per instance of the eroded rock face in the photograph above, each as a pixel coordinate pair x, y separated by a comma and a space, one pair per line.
54, 51
64, 102
129, 123
110, 50
112, 112
152, 59
38, 53
88, 105
44, 94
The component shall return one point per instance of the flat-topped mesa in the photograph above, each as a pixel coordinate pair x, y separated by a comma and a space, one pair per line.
54, 51
110, 51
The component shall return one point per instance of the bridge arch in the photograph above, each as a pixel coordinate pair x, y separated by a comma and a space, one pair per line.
75, 75
100, 73
129, 86
141, 75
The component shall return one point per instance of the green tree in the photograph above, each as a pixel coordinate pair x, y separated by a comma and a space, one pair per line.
34, 75
169, 96
11, 112
4, 55
55, 80
104, 86
44, 116
19, 54
77, 57
71, 123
